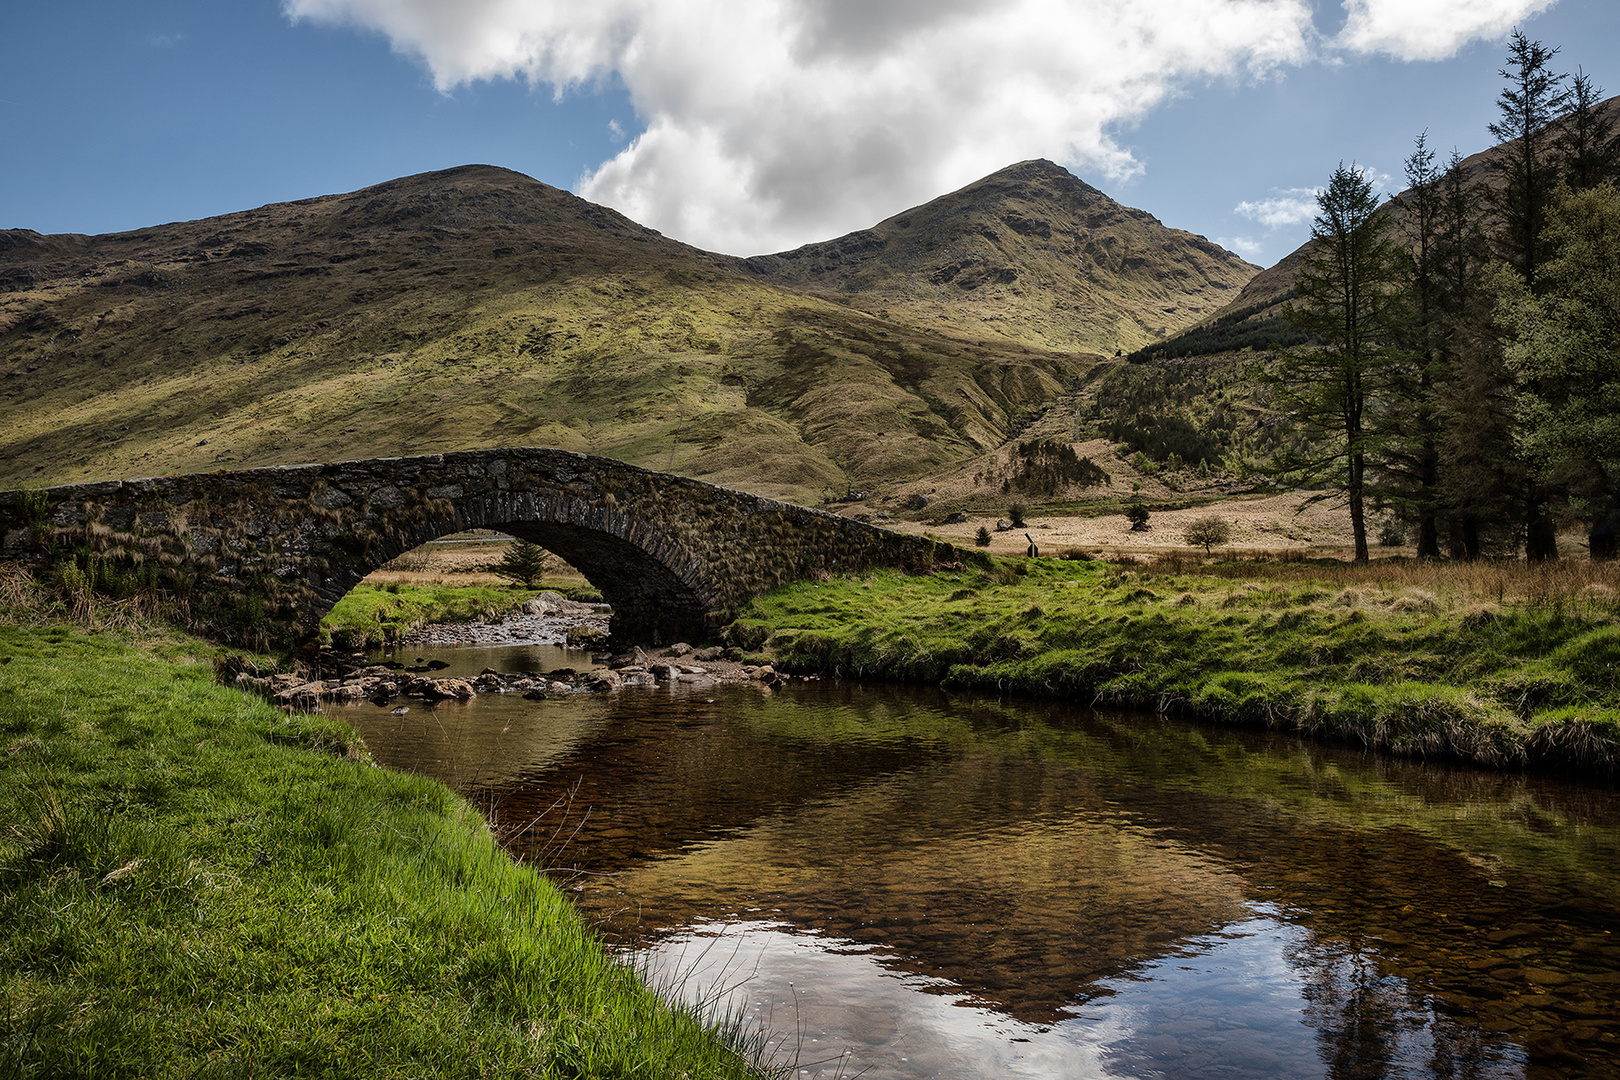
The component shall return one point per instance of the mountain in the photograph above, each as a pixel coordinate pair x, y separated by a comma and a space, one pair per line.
1031, 254
1257, 305
478, 307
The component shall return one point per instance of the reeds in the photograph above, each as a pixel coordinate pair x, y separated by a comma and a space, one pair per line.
1575, 586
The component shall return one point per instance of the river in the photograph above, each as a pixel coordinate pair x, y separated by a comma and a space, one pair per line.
897, 882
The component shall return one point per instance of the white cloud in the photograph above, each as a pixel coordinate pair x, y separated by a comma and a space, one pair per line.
1297, 206
771, 123
1293, 206
1247, 247
1430, 29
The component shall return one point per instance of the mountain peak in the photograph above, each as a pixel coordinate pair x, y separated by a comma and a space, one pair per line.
1030, 252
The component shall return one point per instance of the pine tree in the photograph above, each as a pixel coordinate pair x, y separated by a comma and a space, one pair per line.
1565, 347
1408, 416
1480, 475
1531, 101
1587, 145
1349, 303
523, 561
1528, 105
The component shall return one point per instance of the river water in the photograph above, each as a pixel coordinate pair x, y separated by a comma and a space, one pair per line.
904, 883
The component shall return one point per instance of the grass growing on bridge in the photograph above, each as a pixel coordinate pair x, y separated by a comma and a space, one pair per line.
194, 884
1530, 676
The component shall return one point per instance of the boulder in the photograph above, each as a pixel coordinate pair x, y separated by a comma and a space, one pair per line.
603, 679
305, 697
440, 689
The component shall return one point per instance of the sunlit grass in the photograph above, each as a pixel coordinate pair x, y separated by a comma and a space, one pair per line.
195, 884
1403, 659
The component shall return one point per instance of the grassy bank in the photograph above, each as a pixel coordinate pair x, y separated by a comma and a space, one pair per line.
195, 884
378, 614
1529, 676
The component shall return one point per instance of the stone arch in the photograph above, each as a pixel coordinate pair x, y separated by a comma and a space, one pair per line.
261, 555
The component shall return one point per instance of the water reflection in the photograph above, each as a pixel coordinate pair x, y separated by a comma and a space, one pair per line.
959, 887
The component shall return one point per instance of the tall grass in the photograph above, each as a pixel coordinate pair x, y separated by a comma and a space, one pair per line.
195, 884
1574, 585
1400, 658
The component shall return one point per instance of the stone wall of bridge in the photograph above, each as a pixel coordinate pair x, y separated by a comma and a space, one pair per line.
260, 555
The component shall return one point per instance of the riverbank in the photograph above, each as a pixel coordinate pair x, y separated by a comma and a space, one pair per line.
1420, 672
374, 614
193, 882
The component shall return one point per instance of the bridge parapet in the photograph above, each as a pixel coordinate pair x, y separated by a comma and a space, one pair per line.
260, 555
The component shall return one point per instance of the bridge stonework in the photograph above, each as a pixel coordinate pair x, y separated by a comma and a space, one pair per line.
260, 555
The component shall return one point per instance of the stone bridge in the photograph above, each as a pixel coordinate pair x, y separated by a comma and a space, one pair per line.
259, 556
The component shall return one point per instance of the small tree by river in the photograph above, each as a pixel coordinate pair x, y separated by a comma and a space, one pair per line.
523, 562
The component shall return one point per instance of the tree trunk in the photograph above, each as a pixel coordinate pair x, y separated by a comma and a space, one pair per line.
1358, 518
1604, 541
1428, 542
1540, 535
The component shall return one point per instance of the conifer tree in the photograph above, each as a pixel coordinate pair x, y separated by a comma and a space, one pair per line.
524, 562
1474, 398
1349, 304
1587, 145
1533, 98
1408, 415
1565, 346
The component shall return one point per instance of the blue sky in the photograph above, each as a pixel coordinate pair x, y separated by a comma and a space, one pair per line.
749, 125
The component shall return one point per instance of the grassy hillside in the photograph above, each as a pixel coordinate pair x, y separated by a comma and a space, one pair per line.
477, 307
469, 308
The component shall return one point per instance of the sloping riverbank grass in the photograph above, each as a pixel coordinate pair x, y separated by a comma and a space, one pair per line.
195, 884
378, 614
1411, 671
375, 615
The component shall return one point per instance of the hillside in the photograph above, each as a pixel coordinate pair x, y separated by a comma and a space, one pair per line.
466, 308
1030, 254
1196, 394
477, 307
1262, 296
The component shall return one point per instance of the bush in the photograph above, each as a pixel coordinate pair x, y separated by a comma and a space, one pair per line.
1206, 532
1390, 534
1015, 514
1137, 515
982, 537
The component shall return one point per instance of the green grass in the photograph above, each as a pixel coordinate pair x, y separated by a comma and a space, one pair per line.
373, 615
195, 884
1389, 667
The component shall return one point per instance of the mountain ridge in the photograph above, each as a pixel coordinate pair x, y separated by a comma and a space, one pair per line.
476, 306
1050, 260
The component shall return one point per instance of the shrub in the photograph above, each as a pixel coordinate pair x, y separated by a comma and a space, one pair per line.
1390, 534
1137, 515
982, 537
1015, 514
1206, 532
